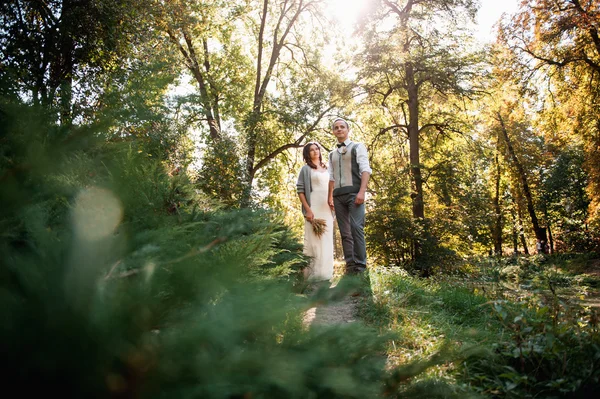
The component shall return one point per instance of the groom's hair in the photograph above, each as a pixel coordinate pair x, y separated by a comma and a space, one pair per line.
306, 155
340, 119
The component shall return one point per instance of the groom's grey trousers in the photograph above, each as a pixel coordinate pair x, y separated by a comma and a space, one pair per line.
351, 222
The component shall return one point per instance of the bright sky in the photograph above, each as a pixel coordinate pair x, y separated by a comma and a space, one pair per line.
489, 13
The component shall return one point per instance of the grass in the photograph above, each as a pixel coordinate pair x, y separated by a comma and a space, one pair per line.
514, 327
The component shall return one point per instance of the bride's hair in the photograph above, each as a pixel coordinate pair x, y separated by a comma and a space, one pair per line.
306, 155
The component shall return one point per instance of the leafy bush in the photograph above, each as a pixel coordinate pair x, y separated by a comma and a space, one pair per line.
221, 172
553, 350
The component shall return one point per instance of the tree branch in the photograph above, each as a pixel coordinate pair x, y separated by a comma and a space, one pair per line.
387, 129
295, 144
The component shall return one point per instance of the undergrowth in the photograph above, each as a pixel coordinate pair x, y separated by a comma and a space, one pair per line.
509, 327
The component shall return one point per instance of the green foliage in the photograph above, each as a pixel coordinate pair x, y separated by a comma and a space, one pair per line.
260, 75
567, 202
555, 42
53, 51
117, 279
552, 350
518, 321
461, 205
392, 237
461, 304
389, 233
434, 324
221, 172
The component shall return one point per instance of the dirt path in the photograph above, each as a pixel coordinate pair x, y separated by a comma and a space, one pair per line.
338, 312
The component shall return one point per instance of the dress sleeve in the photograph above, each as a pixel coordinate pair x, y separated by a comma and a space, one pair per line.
301, 184
330, 166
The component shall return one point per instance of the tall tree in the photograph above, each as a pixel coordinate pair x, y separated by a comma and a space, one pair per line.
559, 42
49, 48
211, 52
522, 175
497, 225
566, 201
256, 69
414, 65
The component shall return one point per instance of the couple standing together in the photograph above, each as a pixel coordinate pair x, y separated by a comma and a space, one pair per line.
341, 186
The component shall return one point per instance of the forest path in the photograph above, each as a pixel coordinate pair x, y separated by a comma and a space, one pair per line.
339, 312
336, 312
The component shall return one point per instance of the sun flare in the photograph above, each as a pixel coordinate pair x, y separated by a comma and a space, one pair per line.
346, 11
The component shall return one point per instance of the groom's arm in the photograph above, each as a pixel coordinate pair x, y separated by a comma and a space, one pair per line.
364, 181
365, 171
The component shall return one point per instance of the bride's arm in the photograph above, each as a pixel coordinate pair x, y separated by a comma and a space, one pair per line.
309, 213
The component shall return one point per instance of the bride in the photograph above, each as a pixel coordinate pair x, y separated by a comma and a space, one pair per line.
312, 188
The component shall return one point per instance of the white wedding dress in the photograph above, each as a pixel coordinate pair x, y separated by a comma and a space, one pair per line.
319, 249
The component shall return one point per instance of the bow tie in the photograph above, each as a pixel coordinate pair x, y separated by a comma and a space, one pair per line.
341, 145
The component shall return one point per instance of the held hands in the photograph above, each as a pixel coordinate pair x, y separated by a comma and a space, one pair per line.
330, 202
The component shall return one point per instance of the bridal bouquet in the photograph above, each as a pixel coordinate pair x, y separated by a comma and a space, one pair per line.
319, 227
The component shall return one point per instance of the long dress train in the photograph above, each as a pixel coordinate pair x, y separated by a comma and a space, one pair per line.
319, 249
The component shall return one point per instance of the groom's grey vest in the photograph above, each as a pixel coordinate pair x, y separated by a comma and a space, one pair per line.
345, 171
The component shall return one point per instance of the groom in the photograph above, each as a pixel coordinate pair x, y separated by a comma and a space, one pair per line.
349, 174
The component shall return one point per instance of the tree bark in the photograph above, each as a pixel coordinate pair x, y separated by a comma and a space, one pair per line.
412, 90
418, 208
520, 224
214, 124
550, 239
522, 237
65, 64
497, 227
515, 233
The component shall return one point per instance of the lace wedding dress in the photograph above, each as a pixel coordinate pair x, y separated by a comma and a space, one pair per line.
319, 249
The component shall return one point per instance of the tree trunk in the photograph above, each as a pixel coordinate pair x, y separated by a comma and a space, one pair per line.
515, 233
413, 139
540, 232
262, 82
412, 89
248, 179
66, 100
208, 94
215, 123
62, 74
550, 239
523, 242
497, 227
515, 236
520, 227
418, 211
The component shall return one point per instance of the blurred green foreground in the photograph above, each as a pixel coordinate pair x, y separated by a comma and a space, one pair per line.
119, 280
